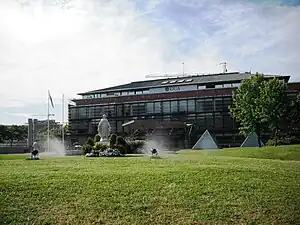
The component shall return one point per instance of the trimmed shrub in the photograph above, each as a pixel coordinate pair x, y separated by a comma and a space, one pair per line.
122, 145
113, 140
89, 141
98, 146
287, 140
86, 148
97, 138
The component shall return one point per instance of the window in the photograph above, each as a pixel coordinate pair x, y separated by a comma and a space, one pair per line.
210, 86
189, 80
74, 113
124, 93
119, 126
236, 84
201, 87
180, 81
139, 92
209, 121
174, 106
157, 107
218, 86
127, 110
182, 106
138, 109
165, 82
150, 106
200, 105
91, 112
218, 104
98, 111
227, 85
218, 121
110, 110
228, 122
172, 81
166, 107
201, 121
83, 112
208, 105
226, 103
191, 105
120, 110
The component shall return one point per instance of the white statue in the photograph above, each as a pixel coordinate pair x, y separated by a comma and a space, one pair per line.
104, 129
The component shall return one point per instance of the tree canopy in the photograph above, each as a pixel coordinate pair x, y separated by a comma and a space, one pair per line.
13, 133
259, 104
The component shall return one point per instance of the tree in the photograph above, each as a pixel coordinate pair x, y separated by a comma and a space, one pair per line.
247, 108
15, 133
293, 112
3, 133
274, 104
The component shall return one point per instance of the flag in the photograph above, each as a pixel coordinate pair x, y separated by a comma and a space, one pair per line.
50, 99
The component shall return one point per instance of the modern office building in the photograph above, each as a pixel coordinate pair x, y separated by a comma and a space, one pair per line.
177, 109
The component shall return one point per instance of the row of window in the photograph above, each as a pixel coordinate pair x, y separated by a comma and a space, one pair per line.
153, 108
147, 91
204, 121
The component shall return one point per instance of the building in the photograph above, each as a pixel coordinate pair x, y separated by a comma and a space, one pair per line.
177, 110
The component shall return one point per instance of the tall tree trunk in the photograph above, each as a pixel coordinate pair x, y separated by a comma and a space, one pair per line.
276, 136
258, 137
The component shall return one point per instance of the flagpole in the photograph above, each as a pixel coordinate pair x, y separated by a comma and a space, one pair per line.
48, 135
63, 132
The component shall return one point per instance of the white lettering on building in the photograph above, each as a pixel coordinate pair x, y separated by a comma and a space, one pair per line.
173, 89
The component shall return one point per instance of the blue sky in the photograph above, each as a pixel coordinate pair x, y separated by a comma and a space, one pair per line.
80, 45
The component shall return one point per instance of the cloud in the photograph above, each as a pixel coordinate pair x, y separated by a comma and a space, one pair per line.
80, 45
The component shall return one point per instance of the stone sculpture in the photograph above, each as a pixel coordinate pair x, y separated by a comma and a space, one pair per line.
104, 129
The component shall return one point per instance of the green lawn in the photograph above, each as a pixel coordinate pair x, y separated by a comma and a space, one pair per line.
231, 186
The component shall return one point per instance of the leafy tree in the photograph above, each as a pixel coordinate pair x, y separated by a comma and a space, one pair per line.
293, 112
248, 108
3, 133
274, 104
15, 133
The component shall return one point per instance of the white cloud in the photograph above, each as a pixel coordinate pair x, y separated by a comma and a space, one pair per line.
83, 45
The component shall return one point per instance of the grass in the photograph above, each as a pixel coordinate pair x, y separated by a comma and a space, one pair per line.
231, 186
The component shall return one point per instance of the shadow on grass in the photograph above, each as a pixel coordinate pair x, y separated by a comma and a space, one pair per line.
156, 157
134, 156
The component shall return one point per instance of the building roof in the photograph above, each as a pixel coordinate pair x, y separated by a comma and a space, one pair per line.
186, 80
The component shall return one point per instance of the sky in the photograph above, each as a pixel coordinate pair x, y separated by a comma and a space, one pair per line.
73, 46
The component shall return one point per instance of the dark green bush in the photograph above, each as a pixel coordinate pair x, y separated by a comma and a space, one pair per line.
287, 140
89, 141
97, 138
86, 148
122, 145
98, 146
113, 140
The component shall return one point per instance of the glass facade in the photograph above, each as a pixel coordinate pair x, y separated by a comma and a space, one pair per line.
206, 108
204, 112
